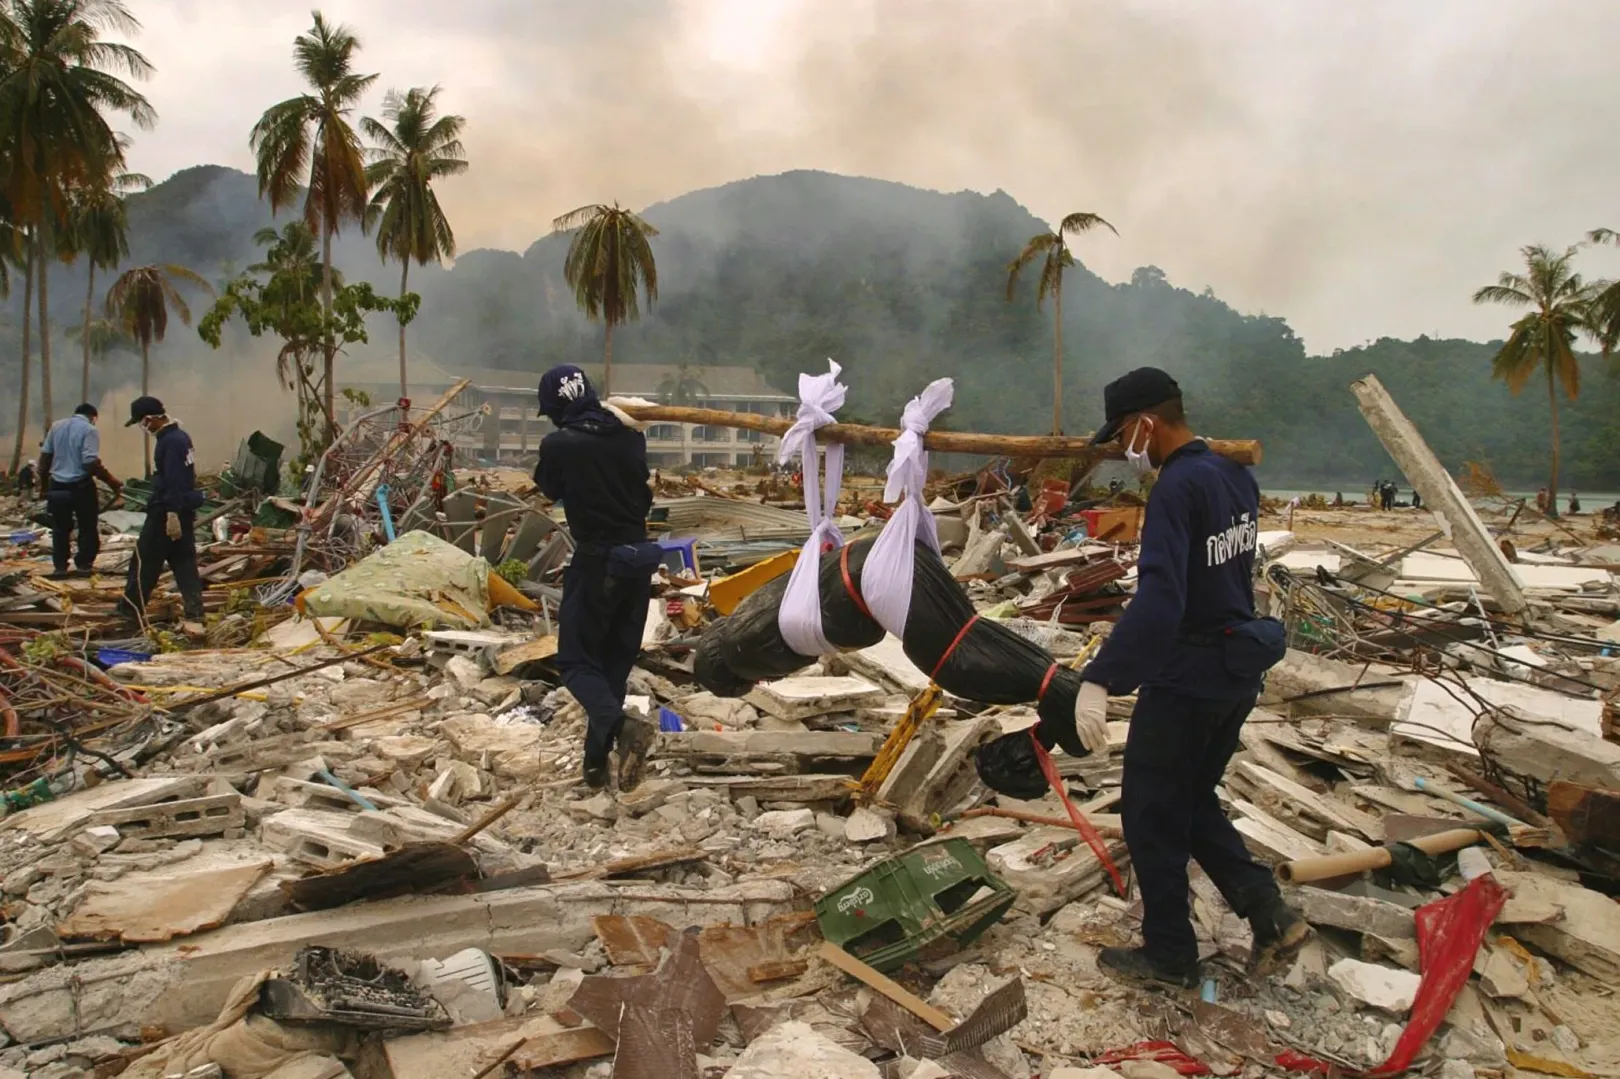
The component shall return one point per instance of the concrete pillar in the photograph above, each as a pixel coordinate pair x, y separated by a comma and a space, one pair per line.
1441, 495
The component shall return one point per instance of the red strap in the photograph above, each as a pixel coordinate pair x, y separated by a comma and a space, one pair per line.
849, 583
1040, 694
1081, 825
934, 677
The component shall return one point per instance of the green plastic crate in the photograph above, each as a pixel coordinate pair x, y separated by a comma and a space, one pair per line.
915, 905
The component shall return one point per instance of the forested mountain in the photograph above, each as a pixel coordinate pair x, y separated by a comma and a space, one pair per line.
902, 286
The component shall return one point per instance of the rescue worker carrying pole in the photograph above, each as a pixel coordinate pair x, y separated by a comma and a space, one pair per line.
595, 465
1192, 648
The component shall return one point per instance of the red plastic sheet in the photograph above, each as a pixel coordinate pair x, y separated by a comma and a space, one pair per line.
1449, 933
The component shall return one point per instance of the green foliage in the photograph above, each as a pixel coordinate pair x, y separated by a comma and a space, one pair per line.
513, 571
280, 298
45, 648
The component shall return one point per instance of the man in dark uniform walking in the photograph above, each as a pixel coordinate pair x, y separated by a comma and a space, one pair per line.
1191, 646
595, 465
167, 535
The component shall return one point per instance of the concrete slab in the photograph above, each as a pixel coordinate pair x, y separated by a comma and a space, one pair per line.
809, 696
315, 838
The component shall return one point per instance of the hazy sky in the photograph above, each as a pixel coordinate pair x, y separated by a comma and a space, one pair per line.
1358, 168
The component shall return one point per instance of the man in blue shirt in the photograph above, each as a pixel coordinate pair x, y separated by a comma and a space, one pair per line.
1190, 645
167, 535
69, 465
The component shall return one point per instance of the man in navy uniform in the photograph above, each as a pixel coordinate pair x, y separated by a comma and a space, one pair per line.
595, 465
167, 535
1191, 646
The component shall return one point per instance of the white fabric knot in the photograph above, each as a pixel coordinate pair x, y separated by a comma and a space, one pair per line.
799, 618
887, 576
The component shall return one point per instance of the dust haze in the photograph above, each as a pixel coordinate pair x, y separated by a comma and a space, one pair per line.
1358, 169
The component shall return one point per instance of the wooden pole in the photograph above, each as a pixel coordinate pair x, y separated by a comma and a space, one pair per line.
1243, 451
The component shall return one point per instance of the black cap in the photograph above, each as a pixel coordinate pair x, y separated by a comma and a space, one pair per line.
86, 409
141, 408
1132, 392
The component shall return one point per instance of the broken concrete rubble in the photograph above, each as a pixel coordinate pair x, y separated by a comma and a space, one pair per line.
756, 807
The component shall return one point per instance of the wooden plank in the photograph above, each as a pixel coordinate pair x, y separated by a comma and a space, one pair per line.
1281, 792
890, 988
1585, 814
640, 863
801, 788
562, 1047
1243, 451
1269, 838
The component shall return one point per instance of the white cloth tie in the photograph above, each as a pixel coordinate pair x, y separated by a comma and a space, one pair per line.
887, 575
799, 618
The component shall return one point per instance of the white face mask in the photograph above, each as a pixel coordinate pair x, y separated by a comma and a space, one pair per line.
1138, 459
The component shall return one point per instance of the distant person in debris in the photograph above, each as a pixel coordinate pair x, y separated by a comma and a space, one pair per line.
595, 465
167, 535
1574, 502
1541, 500
25, 480
70, 465
1417, 499
1192, 648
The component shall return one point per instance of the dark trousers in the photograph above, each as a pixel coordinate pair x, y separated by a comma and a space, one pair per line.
74, 505
1176, 753
153, 551
599, 627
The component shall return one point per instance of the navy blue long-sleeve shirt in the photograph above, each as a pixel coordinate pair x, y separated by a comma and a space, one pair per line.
174, 473
1194, 579
599, 474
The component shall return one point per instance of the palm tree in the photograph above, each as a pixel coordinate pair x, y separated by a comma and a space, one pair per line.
1606, 304
309, 136
293, 248
415, 147
1560, 306
1053, 248
609, 261
140, 300
100, 227
100, 337
60, 78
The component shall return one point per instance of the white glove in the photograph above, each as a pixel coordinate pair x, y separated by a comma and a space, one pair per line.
171, 526
1091, 716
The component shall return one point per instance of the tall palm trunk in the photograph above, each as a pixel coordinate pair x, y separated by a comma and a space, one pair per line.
27, 346
328, 346
89, 295
1057, 358
1552, 484
607, 362
404, 274
146, 436
45, 321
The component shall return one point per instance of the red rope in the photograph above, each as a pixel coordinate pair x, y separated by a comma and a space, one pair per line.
961, 633
1081, 825
1040, 694
849, 583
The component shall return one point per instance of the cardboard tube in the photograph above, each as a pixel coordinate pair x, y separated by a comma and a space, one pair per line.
1307, 870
